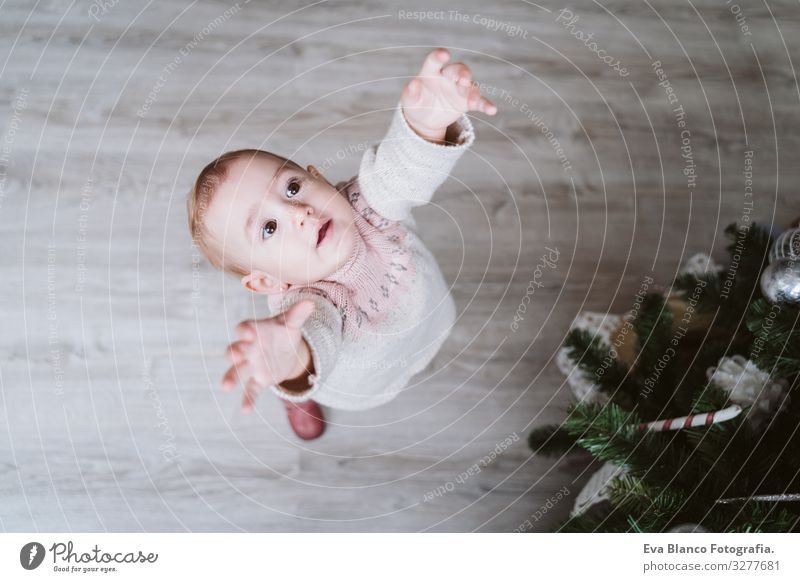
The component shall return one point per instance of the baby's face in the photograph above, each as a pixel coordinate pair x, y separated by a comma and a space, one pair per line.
281, 221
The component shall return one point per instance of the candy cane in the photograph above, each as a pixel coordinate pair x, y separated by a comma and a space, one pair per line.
702, 419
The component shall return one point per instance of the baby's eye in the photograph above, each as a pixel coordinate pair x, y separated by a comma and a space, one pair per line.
269, 228
292, 188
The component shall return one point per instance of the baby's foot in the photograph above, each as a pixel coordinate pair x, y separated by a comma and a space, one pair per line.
305, 418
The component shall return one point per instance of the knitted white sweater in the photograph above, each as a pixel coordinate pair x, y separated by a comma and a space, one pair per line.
401, 172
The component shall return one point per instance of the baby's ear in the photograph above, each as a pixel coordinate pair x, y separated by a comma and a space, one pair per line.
260, 282
316, 173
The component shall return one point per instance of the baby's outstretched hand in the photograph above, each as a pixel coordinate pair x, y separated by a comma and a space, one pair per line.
269, 351
439, 95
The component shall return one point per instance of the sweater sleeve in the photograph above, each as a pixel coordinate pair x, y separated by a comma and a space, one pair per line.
404, 170
323, 333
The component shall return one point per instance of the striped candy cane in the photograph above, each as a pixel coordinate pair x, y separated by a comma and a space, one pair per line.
702, 419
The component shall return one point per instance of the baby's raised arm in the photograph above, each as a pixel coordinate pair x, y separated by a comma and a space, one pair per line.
439, 95
428, 134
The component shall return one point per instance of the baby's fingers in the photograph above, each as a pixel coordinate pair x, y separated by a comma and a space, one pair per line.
246, 330
459, 74
411, 92
432, 65
234, 374
251, 390
477, 102
235, 353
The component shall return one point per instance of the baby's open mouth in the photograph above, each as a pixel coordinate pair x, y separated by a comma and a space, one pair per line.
323, 231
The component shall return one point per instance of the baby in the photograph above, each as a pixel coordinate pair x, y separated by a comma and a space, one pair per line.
358, 303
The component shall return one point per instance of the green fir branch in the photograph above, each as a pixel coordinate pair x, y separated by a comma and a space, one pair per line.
708, 295
753, 517
598, 362
775, 346
612, 434
551, 441
710, 398
652, 371
638, 497
748, 251
677, 476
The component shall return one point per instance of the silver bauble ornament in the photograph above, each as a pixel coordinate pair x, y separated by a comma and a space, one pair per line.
780, 281
786, 246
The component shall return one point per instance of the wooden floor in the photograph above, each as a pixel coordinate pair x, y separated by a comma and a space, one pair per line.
111, 415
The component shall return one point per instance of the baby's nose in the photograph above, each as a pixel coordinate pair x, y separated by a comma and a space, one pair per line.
301, 212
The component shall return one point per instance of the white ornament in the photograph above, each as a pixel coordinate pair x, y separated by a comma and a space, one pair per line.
700, 264
602, 325
596, 488
747, 385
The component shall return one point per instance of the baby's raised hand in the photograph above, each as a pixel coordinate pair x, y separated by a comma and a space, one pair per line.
269, 351
438, 96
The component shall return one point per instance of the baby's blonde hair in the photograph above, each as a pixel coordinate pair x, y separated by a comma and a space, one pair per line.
199, 199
